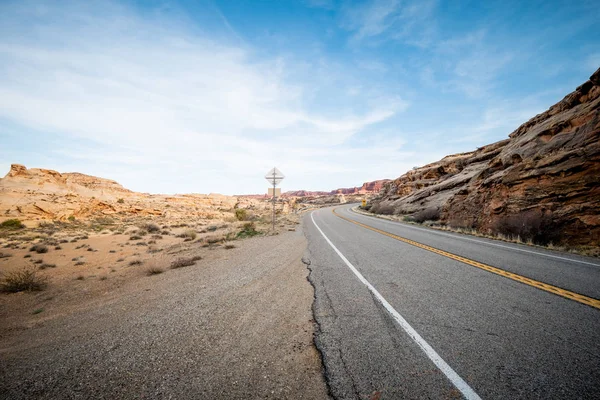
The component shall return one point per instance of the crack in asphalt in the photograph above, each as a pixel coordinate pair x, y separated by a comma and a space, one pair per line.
317, 325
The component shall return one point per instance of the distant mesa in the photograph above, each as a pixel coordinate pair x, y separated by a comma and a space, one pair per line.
542, 184
367, 188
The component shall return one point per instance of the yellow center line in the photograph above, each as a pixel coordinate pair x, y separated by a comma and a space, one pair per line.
590, 301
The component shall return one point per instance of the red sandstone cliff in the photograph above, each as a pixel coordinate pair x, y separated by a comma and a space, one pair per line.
542, 183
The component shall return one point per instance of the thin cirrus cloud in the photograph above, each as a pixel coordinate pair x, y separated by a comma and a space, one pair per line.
150, 98
207, 96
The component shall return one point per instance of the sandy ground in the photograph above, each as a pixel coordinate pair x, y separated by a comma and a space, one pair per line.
236, 324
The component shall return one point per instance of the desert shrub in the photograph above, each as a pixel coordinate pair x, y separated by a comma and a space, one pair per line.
120, 201
39, 248
382, 208
188, 234
248, 230
184, 262
135, 237
12, 224
229, 246
154, 271
80, 263
44, 266
150, 227
135, 262
531, 225
241, 214
429, 214
214, 239
25, 279
212, 228
71, 218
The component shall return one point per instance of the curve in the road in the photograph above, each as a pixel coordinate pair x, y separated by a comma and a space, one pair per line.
510, 275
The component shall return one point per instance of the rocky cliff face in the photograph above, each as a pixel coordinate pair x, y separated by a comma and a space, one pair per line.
542, 183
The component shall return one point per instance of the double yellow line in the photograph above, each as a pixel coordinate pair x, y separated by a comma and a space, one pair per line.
590, 301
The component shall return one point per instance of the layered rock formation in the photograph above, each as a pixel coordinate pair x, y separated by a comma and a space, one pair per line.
542, 183
42, 194
366, 188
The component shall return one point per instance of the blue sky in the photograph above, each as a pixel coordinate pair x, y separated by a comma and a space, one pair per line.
207, 96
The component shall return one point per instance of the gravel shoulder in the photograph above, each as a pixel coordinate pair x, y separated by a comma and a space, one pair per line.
237, 325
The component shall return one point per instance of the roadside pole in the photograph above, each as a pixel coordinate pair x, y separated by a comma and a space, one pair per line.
274, 176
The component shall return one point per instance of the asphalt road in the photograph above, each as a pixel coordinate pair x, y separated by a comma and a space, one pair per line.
430, 326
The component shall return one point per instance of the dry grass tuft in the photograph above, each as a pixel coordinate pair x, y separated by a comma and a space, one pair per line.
25, 279
154, 271
39, 248
184, 262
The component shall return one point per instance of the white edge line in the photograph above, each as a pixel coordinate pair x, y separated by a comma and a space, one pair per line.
456, 380
457, 236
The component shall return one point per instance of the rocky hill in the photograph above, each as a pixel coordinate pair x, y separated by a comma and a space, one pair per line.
542, 183
37, 194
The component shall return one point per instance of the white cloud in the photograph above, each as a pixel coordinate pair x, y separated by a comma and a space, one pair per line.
155, 96
411, 22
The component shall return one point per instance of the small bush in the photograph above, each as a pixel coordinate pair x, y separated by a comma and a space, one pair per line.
248, 230
44, 266
152, 228
71, 218
135, 237
184, 262
382, 208
80, 263
531, 225
429, 214
241, 214
25, 279
229, 246
154, 271
188, 235
39, 248
120, 201
135, 262
12, 224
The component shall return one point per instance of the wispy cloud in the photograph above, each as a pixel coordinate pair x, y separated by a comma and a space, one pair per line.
159, 95
407, 21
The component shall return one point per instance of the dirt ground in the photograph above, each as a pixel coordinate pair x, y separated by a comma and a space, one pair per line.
236, 323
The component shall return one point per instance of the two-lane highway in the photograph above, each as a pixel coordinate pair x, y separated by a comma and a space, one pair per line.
408, 312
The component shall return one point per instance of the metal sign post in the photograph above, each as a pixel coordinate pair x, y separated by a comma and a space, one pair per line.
274, 176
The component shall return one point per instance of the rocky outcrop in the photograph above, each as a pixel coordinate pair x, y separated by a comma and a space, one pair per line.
542, 183
42, 194
366, 188
94, 183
